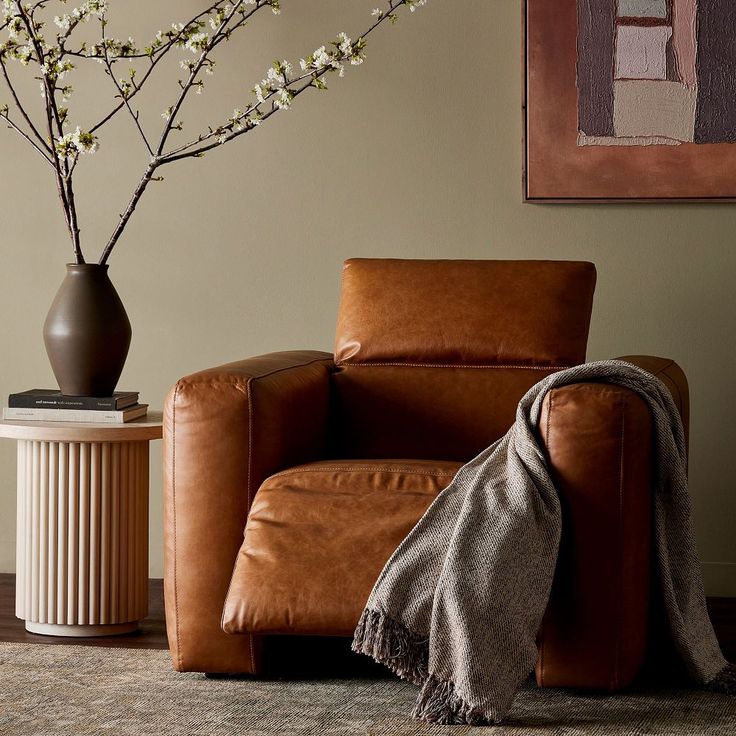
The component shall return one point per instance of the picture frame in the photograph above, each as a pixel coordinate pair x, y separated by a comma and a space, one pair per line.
657, 132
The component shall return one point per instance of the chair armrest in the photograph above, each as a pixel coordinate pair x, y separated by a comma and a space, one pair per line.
598, 442
673, 377
225, 430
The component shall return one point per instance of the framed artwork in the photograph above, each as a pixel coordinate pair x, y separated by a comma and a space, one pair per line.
630, 100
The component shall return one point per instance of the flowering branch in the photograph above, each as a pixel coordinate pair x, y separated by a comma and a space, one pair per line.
200, 41
123, 88
279, 89
62, 147
155, 52
23, 19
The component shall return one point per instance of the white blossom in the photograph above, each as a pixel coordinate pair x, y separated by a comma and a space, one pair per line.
24, 54
197, 42
345, 43
321, 57
283, 98
15, 26
71, 144
64, 22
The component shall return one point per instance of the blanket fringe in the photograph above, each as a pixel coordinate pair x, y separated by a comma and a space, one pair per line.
389, 642
439, 703
724, 681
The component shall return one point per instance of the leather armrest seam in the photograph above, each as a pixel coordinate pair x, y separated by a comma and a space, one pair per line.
408, 471
664, 368
173, 502
242, 385
250, 501
197, 379
541, 644
620, 581
496, 366
289, 368
675, 385
251, 653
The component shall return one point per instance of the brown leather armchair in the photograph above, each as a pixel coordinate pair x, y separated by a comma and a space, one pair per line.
327, 462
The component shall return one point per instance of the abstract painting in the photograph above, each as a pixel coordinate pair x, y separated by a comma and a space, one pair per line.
630, 100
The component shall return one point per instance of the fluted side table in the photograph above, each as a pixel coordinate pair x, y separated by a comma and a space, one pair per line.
82, 529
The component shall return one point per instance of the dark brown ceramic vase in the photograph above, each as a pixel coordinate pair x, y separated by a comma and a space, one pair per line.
87, 332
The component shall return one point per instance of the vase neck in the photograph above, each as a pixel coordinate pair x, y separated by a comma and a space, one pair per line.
86, 268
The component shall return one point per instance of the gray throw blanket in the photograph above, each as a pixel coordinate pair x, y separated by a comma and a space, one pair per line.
457, 607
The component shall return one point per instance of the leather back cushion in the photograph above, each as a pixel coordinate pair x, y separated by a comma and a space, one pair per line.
433, 356
464, 312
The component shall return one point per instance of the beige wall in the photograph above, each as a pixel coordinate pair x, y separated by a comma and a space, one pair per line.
415, 154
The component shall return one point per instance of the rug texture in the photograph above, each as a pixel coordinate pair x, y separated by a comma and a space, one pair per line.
72, 690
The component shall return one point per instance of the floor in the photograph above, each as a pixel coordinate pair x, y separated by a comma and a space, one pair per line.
152, 634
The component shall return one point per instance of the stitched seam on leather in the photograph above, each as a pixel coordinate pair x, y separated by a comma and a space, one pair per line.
664, 367
173, 503
237, 383
408, 471
250, 459
249, 494
250, 439
542, 637
498, 366
292, 367
240, 380
619, 607
237, 556
676, 386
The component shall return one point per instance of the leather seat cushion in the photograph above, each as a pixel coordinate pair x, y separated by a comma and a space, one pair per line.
317, 537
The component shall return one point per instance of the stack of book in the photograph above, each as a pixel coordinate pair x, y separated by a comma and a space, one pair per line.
49, 405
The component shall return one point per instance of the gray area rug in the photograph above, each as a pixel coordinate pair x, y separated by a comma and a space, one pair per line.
71, 690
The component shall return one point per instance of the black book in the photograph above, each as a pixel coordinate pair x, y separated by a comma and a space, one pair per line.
48, 398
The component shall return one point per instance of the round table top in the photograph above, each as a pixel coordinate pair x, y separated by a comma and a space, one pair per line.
149, 427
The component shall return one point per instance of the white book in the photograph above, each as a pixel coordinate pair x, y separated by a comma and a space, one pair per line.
81, 416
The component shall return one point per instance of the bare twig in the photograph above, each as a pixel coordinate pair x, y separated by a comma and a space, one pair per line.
146, 179
14, 126
39, 138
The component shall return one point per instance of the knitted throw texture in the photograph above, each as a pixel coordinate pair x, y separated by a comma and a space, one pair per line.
457, 607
